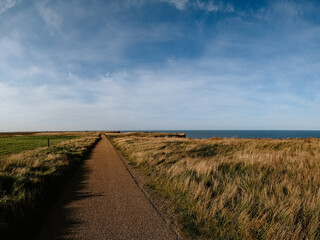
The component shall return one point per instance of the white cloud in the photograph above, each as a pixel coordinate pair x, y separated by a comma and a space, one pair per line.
214, 6
44, 90
179, 4
51, 17
7, 4
175, 96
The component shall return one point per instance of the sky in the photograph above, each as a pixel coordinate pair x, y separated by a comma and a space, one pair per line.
159, 65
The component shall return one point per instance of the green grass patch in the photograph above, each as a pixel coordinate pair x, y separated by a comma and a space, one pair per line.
12, 145
29, 180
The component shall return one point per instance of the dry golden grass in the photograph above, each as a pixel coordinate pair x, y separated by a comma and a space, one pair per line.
234, 188
29, 180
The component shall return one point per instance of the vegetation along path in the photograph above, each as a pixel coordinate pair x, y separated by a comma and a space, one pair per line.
102, 201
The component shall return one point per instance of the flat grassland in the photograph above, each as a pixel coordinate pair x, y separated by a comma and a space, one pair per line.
29, 179
233, 188
16, 144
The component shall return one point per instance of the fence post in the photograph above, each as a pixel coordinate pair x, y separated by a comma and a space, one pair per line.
48, 142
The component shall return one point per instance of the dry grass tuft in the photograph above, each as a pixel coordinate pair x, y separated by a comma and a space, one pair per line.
234, 188
29, 180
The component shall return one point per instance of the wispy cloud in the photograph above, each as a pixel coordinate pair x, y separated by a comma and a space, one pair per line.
178, 93
214, 6
51, 17
179, 4
7, 4
208, 6
255, 71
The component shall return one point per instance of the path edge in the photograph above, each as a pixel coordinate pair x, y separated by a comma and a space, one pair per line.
161, 205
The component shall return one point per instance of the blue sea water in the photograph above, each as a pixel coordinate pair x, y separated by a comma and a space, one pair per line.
276, 134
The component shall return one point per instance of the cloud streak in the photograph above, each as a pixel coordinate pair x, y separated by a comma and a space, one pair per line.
137, 68
179, 4
7, 4
50, 16
214, 6
207, 6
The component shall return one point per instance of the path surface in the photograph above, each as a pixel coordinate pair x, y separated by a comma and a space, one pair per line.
102, 201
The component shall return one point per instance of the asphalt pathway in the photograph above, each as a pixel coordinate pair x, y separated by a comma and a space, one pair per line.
102, 201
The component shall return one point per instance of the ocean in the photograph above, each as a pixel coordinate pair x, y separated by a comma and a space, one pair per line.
276, 134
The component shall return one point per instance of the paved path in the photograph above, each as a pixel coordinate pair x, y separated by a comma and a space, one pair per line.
102, 201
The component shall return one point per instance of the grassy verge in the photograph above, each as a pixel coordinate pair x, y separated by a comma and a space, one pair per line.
17, 144
233, 188
29, 181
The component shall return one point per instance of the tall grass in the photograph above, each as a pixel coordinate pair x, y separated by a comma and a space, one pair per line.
29, 180
234, 188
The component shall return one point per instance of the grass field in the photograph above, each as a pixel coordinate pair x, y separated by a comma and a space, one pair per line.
233, 188
17, 144
30, 179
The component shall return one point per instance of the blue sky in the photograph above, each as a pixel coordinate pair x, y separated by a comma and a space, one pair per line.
159, 64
